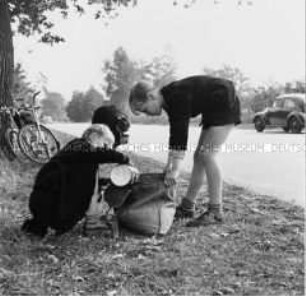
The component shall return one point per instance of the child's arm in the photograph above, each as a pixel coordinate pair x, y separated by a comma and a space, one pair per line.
173, 167
175, 157
179, 117
108, 156
94, 155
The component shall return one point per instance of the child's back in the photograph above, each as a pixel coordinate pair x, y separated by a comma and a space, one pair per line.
64, 186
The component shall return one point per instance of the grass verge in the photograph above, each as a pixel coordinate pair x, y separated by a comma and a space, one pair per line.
258, 251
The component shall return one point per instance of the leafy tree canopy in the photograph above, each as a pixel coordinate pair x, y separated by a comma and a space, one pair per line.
21, 86
121, 73
264, 96
53, 105
30, 16
234, 74
82, 105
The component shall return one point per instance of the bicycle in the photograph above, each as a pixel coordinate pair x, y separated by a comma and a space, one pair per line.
25, 134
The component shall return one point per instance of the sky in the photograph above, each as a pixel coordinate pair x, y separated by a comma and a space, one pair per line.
266, 40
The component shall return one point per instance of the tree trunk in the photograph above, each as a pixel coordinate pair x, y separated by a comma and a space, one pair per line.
6, 67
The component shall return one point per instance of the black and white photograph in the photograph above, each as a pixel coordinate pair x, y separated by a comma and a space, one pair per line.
152, 147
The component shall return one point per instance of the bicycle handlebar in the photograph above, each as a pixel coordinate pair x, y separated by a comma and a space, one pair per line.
36, 94
34, 97
33, 107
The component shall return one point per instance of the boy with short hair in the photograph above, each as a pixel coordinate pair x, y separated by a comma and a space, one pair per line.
215, 99
116, 120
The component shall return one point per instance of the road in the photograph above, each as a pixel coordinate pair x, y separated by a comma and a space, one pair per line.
271, 163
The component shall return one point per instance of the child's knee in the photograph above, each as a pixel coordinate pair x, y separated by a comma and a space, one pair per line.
203, 157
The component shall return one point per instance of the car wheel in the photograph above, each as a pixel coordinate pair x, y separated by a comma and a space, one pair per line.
294, 125
259, 124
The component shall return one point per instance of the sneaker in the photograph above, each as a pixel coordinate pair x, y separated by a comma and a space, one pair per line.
207, 218
182, 213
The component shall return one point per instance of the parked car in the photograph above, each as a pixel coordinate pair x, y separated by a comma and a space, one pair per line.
287, 112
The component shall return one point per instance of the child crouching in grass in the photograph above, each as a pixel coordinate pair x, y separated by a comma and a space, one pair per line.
213, 98
65, 185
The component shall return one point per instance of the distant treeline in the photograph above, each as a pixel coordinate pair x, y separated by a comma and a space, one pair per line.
120, 73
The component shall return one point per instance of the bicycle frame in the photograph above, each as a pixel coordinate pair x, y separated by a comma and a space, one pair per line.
36, 118
40, 138
34, 140
9, 112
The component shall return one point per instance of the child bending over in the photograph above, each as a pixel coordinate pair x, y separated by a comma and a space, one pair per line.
215, 99
65, 185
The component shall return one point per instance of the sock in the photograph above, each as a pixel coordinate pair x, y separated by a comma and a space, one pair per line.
188, 205
93, 223
215, 208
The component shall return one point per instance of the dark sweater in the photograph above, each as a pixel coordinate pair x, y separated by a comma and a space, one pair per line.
212, 97
64, 186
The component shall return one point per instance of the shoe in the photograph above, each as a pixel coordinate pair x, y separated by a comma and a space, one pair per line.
207, 218
34, 227
182, 213
94, 225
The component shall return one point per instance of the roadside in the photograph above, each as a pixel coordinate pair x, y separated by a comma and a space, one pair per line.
271, 163
258, 251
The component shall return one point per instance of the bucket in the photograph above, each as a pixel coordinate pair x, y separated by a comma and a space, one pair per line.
123, 175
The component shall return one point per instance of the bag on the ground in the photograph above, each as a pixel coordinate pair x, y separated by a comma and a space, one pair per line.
146, 207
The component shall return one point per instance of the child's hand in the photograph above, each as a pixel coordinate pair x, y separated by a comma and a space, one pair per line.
166, 169
135, 175
171, 177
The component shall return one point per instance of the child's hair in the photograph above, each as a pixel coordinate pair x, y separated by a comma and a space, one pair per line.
103, 133
139, 94
117, 121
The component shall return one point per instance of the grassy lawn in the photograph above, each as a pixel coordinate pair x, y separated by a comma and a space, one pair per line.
258, 251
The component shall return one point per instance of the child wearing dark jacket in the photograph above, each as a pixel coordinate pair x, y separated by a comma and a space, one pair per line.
65, 185
213, 98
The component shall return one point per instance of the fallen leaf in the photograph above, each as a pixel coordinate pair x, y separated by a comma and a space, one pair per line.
78, 279
227, 290
111, 293
217, 293
53, 258
257, 211
242, 272
111, 275
214, 235
153, 241
117, 256
141, 257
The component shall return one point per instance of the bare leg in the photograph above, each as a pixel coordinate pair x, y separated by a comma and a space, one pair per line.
205, 162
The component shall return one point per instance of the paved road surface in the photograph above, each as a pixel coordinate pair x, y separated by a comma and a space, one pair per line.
271, 163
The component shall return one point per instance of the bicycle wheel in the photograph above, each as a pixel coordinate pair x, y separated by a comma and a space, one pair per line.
11, 139
39, 145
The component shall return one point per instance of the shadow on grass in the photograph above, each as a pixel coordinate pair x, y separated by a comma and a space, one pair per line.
258, 251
